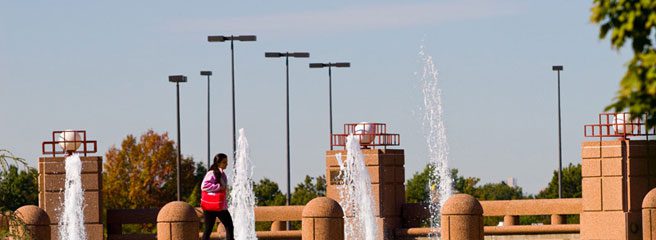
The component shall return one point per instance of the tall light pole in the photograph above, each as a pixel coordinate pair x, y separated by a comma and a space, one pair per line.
232, 39
330, 88
559, 68
177, 79
286, 55
208, 74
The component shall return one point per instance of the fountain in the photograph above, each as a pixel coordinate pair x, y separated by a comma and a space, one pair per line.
355, 193
71, 224
242, 199
440, 183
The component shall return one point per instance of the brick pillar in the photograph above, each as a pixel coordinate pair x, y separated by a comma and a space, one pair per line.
387, 173
462, 218
617, 175
52, 176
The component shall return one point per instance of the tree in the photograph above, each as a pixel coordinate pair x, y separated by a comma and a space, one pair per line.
634, 21
498, 191
267, 193
142, 174
306, 191
6, 156
417, 189
194, 196
18, 188
571, 183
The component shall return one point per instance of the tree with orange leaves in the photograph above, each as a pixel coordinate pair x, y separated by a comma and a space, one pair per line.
141, 173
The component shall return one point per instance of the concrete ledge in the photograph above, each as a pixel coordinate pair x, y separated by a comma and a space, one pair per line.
294, 234
570, 236
532, 229
532, 207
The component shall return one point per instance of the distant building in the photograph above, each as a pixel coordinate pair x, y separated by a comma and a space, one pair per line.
511, 182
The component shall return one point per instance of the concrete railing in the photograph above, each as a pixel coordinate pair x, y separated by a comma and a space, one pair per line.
278, 215
415, 215
511, 210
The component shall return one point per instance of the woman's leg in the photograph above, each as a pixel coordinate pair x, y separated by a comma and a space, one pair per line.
210, 219
226, 219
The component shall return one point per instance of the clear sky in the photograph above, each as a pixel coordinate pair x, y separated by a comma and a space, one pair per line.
103, 67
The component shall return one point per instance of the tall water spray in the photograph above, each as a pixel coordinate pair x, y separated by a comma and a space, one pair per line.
242, 199
440, 183
355, 193
71, 224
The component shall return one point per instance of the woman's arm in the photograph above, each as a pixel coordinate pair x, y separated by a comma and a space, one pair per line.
210, 183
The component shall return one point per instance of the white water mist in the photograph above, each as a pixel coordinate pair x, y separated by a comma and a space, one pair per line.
355, 193
242, 199
440, 183
71, 223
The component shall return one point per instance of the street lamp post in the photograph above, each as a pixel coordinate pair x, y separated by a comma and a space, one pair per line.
559, 68
286, 55
177, 79
231, 38
330, 88
208, 74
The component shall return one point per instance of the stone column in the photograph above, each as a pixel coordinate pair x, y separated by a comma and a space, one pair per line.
649, 216
462, 218
177, 220
36, 220
52, 177
387, 173
323, 219
617, 174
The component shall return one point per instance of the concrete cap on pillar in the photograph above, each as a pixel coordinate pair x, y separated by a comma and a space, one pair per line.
462, 204
33, 215
650, 199
177, 211
323, 207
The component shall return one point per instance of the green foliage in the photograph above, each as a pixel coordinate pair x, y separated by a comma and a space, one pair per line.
498, 191
6, 156
267, 193
194, 197
632, 20
416, 188
18, 188
464, 184
571, 183
21, 189
306, 191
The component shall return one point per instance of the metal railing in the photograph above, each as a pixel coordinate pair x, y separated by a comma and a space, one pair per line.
617, 125
376, 136
54, 146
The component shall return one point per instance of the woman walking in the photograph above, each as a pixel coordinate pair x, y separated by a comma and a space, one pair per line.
213, 198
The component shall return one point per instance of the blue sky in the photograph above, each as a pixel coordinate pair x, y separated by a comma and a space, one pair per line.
103, 67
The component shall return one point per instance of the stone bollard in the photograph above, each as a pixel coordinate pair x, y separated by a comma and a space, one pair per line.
177, 221
36, 220
278, 226
323, 219
557, 219
649, 215
462, 218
